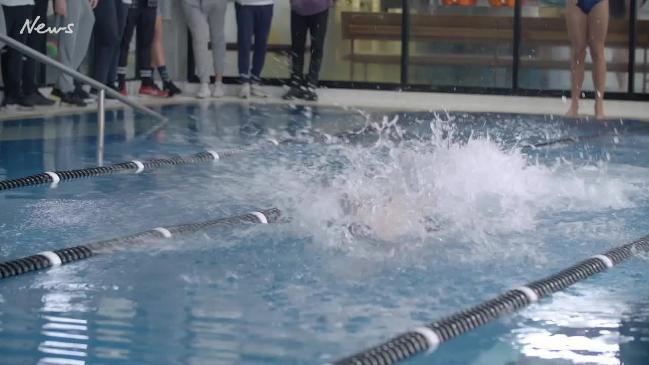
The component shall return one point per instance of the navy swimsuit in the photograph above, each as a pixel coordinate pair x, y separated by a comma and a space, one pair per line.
587, 5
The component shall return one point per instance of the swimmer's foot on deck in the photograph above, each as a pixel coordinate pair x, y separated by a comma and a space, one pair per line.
573, 111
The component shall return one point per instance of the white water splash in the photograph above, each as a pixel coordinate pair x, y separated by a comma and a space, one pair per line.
408, 194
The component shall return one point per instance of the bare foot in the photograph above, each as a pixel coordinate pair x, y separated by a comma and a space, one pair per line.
599, 110
573, 112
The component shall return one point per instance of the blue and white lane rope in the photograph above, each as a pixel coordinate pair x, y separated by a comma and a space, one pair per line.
136, 166
426, 339
64, 256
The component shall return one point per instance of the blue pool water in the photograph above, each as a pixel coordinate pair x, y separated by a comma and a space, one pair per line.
456, 209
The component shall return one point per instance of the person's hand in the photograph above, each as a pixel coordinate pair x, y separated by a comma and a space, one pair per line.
93, 3
61, 8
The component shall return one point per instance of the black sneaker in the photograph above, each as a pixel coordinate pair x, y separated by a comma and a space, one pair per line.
81, 93
310, 95
294, 93
20, 101
57, 93
73, 99
171, 88
36, 98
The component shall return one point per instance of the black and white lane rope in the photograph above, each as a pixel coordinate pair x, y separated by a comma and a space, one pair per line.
64, 256
135, 166
427, 338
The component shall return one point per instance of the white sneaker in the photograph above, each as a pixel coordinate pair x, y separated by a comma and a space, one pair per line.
245, 91
257, 91
219, 90
203, 91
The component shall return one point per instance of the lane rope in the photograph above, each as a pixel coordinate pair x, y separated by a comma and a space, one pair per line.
48, 259
427, 338
137, 166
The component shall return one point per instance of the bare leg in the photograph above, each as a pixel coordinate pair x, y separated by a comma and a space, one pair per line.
157, 48
577, 23
597, 30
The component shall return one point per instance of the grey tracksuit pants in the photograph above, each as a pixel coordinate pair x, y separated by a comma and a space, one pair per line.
206, 20
73, 47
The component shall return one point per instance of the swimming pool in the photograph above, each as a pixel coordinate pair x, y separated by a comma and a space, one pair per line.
457, 209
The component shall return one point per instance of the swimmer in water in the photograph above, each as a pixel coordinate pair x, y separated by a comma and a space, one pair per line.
387, 219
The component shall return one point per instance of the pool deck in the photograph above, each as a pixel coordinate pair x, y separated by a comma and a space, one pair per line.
346, 98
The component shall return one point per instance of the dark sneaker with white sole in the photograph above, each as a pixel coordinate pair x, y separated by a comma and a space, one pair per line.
16, 102
38, 99
73, 99
294, 93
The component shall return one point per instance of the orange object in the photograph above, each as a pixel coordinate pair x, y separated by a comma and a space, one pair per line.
459, 2
499, 3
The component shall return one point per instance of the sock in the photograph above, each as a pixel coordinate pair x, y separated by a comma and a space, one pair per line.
164, 75
121, 76
146, 75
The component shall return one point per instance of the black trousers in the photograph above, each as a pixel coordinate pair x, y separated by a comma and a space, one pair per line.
38, 42
142, 17
316, 26
15, 17
110, 22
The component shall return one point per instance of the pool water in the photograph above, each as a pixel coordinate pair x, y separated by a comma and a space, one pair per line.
390, 220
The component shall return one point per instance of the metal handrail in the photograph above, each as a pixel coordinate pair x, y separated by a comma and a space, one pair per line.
29, 52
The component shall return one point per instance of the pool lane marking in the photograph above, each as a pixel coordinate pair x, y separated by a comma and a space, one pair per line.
55, 178
431, 337
605, 259
529, 293
214, 155
262, 218
165, 232
52, 257
139, 165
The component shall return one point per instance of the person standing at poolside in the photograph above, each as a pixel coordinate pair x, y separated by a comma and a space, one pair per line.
110, 22
141, 15
254, 19
206, 20
36, 41
587, 22
112, 71
307, 16
16, 12
158, 61
73, 46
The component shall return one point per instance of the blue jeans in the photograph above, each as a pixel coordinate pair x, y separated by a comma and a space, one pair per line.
252, 21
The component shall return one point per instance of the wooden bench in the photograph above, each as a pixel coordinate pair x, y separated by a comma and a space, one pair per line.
478, 30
